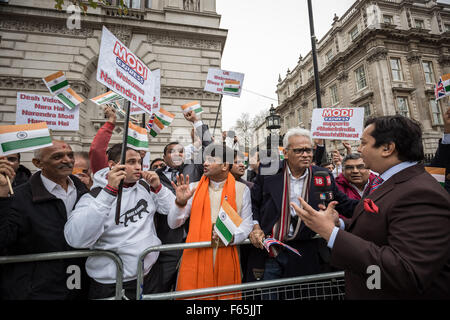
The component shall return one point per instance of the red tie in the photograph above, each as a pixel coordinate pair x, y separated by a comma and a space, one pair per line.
375, 184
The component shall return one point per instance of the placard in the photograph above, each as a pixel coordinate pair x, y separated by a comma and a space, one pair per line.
224, 82
123, 72
33, 108
337, 123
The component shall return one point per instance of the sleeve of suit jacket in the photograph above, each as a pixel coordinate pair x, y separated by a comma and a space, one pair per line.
417, 245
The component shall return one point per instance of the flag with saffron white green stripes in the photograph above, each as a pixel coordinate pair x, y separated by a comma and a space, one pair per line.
24, 137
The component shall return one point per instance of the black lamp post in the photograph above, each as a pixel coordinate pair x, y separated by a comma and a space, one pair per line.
272, 123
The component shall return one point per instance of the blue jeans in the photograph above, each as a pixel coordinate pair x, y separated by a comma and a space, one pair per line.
272, 271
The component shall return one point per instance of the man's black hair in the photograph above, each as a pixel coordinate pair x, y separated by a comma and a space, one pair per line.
157, 159
404, 132
351, 156
220, 151
115, 152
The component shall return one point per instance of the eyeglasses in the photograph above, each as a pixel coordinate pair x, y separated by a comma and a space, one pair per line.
358, 167
300, 150
157, 166
12, 159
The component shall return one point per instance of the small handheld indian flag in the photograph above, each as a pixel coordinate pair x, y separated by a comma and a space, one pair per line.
227, 222
192, 106
56, 82
24, 137
69, 98
137, 137
280, 152
156, 128
231, 86
446, 82
437, 173
107, 97
150, 122
165, 117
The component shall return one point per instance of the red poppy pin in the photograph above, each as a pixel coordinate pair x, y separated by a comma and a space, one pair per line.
370, 206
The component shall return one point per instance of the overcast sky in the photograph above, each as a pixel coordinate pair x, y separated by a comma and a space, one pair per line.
265, 38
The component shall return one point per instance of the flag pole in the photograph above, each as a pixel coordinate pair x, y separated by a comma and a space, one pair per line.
122, 161
217, 115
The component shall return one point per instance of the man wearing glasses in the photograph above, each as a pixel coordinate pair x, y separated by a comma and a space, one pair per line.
274, 217
355, 178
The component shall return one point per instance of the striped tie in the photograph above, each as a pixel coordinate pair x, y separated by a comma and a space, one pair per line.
375, 184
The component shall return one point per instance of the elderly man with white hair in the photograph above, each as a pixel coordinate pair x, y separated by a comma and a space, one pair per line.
275, 218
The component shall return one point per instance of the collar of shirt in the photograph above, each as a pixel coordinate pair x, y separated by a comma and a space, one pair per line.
216, 185
357, 189
396, 169
52, 186
299, 178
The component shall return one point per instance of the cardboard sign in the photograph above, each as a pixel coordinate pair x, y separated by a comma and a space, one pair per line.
337, 123
33, 108
124, 73
224, 82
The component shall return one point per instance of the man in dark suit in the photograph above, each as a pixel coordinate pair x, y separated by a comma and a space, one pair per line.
397, 244
442, 156
279, 183
175, 165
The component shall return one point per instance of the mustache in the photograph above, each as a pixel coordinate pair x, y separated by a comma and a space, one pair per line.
65, 166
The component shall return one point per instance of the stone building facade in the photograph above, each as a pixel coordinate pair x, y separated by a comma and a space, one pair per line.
382, 55
182, 38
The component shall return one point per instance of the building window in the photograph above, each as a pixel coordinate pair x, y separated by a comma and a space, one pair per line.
354, 33
402, 106
360, 75
299, 117
286, 123
436, 115
428, 70
314, 103
310, 72
334, 94
388, 19
329, 55
396, 69
133, 4
367, 110
419, 23
296, 84
447, 27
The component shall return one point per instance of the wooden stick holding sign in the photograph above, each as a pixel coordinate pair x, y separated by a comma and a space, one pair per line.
123, 160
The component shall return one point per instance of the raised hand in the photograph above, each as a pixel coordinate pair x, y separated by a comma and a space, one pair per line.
6, 170
447, 121
152, 178
182, 190
190, 116
110, 114
348, 147
116, 175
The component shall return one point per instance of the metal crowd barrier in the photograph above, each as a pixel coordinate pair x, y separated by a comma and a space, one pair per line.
320, 286
71, 255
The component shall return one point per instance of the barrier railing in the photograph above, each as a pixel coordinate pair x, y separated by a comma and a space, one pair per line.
326, 285
70, 255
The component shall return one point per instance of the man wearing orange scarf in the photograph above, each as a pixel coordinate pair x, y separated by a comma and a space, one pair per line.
201, 202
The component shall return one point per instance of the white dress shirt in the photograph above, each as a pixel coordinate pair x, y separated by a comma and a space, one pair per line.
69, 197
178, 216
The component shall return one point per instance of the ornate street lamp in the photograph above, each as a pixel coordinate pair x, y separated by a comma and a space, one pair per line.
272, 123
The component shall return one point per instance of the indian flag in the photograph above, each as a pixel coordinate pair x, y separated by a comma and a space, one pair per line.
194, 105
437, 173
56, 82
137, 138
106, 98
164, 116
24, 137
446, 81
280, 152
227, 222
156, 127
69, 98
231, 86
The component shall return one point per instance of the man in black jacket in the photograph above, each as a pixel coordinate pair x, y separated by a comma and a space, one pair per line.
175, 165
22, 173
275, 187
32, 221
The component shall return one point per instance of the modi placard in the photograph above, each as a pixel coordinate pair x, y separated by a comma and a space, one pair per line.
224, 82
337, 123
123, 72
33, 108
